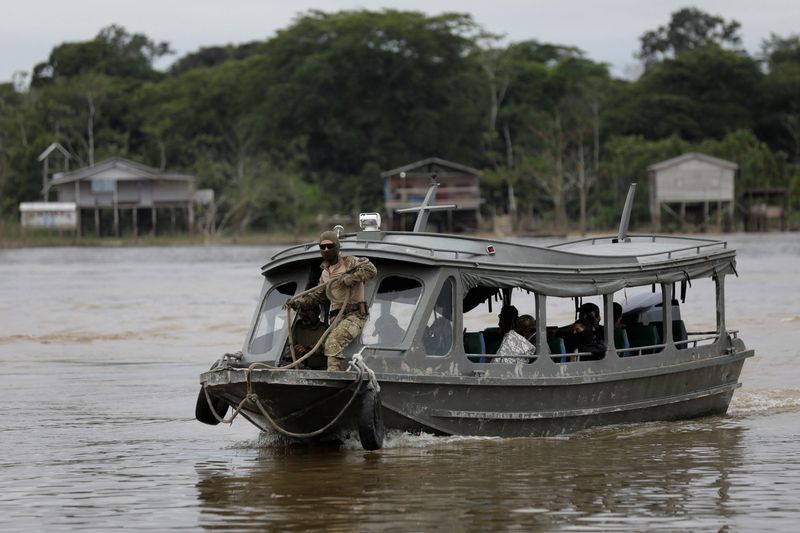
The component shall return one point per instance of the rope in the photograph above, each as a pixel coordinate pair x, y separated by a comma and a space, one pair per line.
357, 363
319, 431
296, 362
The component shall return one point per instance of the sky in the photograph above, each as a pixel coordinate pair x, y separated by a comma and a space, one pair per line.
607, 30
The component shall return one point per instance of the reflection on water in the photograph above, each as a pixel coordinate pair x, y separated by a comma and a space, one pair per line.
102, 349
615, 478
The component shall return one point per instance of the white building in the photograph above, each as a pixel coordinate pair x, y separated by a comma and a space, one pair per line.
695, 181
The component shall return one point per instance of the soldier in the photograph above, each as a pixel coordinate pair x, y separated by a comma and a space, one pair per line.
306, 332
347, 275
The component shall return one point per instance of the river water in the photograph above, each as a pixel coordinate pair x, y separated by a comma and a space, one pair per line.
101, 349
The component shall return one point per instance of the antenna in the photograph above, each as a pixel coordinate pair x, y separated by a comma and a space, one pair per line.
424, 209
622, 236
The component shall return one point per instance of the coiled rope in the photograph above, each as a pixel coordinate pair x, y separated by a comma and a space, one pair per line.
364, 374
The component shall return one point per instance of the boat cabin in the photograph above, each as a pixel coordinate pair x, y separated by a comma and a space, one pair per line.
433, 307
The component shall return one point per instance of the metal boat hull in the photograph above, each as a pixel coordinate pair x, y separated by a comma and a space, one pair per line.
304, 401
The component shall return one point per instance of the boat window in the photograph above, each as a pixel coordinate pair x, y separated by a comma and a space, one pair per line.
481, 314
641, 330
438, 335
575, 328
270, 328
697, 313
391, 311
694, 316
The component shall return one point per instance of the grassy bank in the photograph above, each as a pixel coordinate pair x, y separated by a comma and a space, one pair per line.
12, 236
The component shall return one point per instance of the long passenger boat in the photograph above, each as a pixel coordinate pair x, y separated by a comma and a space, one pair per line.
434, 371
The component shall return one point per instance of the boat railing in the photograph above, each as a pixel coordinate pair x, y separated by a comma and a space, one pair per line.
366, 244
704, 243
634, 351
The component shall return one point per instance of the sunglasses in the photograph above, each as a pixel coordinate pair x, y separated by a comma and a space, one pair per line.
330, 246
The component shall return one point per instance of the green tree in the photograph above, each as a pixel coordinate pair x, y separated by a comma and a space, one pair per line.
688, 28
779, 121
385, 87
113, 52
703, 92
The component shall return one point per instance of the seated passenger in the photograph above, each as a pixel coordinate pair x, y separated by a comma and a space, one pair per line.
388, 329
591, 312
515, 342
493, 337
526, 326
438, 337
583, 339
507, 319
620, 335
306, 331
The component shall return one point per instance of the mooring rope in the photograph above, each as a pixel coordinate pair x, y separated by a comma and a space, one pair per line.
357, 363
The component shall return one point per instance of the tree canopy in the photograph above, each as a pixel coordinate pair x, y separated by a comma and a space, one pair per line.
301, 124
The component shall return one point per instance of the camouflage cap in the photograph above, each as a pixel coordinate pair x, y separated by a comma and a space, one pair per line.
329, 236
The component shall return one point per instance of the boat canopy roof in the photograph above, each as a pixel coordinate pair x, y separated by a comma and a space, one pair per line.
578, 268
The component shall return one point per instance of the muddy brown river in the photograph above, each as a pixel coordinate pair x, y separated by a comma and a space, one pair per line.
101, 349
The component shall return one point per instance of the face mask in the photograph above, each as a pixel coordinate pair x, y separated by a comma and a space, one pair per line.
331, 255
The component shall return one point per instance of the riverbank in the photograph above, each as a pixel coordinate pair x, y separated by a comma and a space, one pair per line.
17, 239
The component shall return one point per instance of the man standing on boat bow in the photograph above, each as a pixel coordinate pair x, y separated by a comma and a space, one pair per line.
342, 284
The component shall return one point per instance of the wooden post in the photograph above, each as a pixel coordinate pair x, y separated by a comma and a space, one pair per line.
116, 211
78, 206
172, 218
719, 216
44, 179
96, 221
683, 215
153, 217
135, 213
191, 218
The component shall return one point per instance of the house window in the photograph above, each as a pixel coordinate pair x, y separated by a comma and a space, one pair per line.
103, 186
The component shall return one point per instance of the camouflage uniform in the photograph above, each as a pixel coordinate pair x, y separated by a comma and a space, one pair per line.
307, 336
348, 275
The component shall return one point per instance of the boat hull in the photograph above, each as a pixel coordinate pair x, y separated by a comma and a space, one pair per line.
305, 401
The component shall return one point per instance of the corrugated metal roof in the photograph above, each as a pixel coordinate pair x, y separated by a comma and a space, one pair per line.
143, 171
693, 155
431, 161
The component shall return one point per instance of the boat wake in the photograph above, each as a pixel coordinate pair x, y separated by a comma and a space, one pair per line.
746, 403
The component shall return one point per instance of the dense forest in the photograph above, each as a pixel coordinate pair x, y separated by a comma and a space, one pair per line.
303, 123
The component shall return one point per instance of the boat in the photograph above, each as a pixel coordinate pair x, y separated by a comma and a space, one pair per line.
439, 374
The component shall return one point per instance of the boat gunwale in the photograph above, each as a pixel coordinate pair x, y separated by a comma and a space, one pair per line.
319, 377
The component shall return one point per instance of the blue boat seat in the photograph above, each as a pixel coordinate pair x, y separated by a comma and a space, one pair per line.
557, 346
678, 332
643, 335
621, 341
492, 339
474, 344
